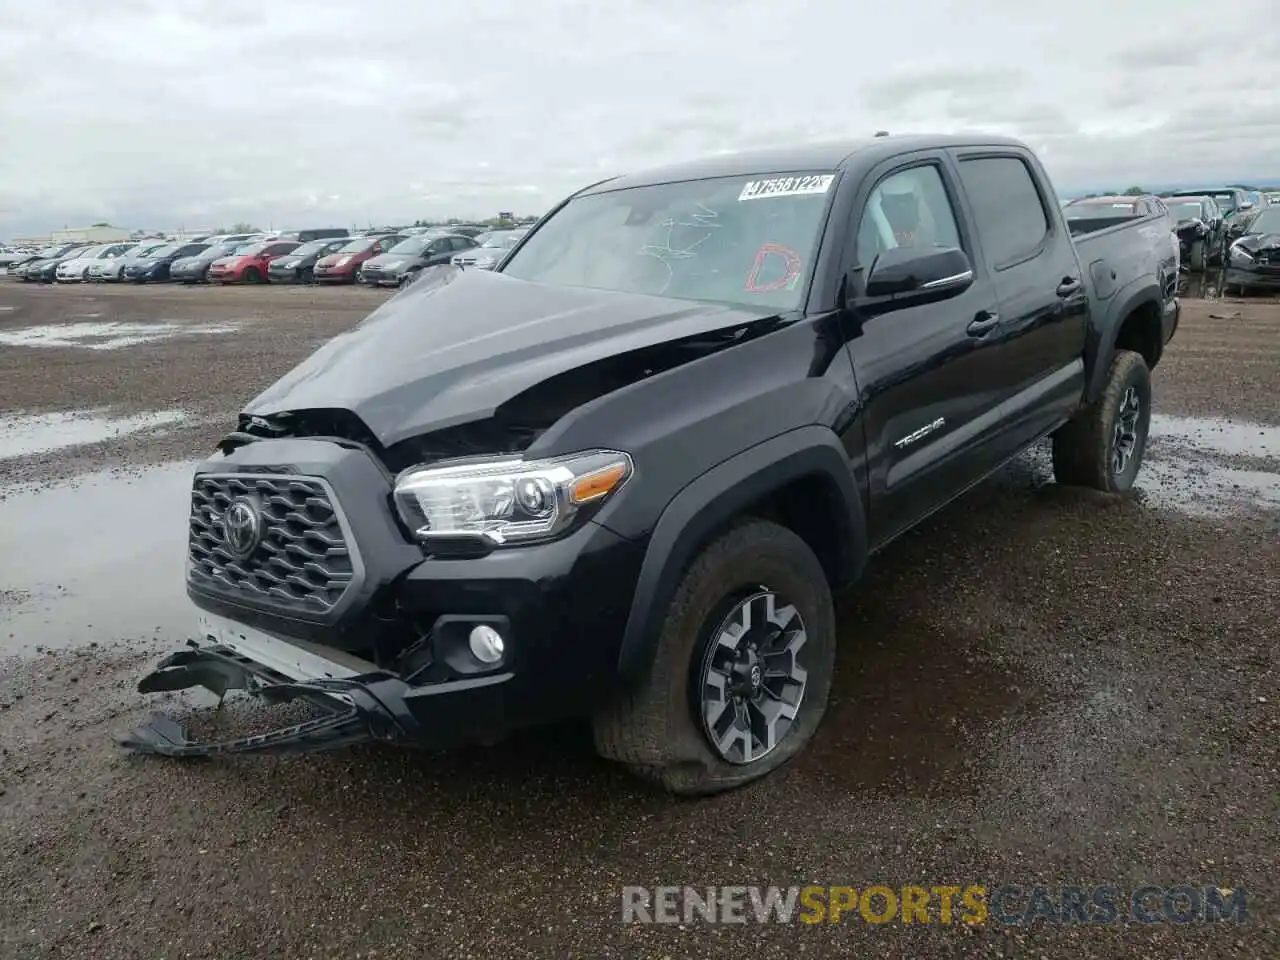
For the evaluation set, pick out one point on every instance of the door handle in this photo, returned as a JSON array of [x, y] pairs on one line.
[[1068, 286], [983, 323]]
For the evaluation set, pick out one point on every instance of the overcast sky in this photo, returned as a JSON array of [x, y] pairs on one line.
[[296, 113]]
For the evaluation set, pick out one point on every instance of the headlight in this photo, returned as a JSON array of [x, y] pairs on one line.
[[393, 265], [486, 261], [508, 501], [343, 262], [1241, 252]]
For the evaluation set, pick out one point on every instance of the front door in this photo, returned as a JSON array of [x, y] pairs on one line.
[[929, 375]]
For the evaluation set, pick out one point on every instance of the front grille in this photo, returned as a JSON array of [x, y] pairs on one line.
[[302, 562]]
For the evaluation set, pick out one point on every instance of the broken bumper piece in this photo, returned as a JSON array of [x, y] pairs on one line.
[[355, 709]]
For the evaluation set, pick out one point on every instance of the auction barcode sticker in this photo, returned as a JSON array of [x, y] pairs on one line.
[[786, 186]]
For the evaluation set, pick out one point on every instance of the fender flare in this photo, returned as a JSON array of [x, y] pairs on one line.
[[1141, 291], [713, 499]]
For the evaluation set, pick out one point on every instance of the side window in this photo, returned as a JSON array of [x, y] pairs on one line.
[[1010, 214], [462, 243], [909, 208]]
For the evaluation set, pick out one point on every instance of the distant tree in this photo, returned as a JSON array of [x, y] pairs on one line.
[[1133, 192], [243, 228]]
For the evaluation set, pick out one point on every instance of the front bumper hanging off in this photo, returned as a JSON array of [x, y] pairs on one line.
[[354, 709]]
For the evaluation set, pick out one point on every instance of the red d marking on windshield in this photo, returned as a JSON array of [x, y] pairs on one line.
[[762, 255]]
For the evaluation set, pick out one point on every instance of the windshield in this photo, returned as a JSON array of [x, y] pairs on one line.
[[146, 250], [1227, 201], [315, 246], [1082, 209], [165, 250], [746, 240], [88, 253], [501, 241], [251, 249], [1267, 221], [412, 245], [1187, 210], [358, 245], [50, 251]]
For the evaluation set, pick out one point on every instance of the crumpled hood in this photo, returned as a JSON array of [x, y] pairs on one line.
[[1255, 242], [454, 346]]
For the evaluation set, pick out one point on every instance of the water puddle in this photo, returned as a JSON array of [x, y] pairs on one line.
[[99, 558], [107, 335], [1231, 438], [1188, 465], [23, 435]]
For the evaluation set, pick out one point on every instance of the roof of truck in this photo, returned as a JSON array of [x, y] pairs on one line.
[[818, 156]]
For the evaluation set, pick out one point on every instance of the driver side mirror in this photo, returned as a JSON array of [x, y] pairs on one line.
[[919, 273]]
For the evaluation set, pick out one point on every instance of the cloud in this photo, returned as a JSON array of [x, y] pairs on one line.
[[295, 113]]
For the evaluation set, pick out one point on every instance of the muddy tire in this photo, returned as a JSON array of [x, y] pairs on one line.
[[747, 648], [1103, 445], [1199, 256]]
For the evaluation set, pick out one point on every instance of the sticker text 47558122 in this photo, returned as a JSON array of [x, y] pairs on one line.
[[786, 186]]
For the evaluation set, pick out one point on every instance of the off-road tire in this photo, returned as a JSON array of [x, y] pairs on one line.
[[1083, 447], [653, 728], [1199, 256]]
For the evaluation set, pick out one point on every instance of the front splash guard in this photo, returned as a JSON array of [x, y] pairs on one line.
[[354, 712]]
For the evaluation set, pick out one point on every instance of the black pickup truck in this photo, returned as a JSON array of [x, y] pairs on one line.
[[621, 476]]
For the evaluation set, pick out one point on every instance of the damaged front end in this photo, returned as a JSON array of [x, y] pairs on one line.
[[351, 711], [312, 580]]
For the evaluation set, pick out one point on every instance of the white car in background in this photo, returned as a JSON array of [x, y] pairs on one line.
[[492, 249], [76, 270], [112, 268]]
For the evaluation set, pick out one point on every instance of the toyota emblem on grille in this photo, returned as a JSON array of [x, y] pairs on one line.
[[242, 527]]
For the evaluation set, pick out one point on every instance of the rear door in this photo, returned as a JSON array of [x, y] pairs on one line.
[[1039, 284], [930, 374]]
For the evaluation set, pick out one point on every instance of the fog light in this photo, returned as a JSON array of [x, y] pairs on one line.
[[486, 644]]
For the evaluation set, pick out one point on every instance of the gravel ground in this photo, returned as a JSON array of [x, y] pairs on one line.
[[1041, 686]]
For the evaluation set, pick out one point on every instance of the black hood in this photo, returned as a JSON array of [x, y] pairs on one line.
[[455, 345], [1253, 242]]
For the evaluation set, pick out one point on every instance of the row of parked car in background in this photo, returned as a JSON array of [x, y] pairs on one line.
[[1230, 227], [329, 255]]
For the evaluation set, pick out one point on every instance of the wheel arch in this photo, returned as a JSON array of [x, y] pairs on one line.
[[800, 479], [1134, 322]]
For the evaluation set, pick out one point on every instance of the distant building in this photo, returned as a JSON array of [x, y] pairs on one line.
[[90, 235]]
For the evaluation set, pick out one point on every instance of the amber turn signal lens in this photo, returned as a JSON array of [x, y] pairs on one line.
[[598, 483]]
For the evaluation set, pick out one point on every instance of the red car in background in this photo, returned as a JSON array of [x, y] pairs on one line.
[[249, 263], [342, 266]]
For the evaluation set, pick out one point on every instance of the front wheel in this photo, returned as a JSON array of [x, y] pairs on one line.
[[742, 670], [1199, 255], [251, 275], [1103, 445]]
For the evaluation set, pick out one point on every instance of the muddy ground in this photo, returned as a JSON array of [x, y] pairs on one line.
[[1042, 686]]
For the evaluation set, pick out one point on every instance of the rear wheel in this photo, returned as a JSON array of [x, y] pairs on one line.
[[1103, 445], [742, 670]]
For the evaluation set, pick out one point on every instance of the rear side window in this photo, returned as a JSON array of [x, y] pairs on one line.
[[1007, 207]]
